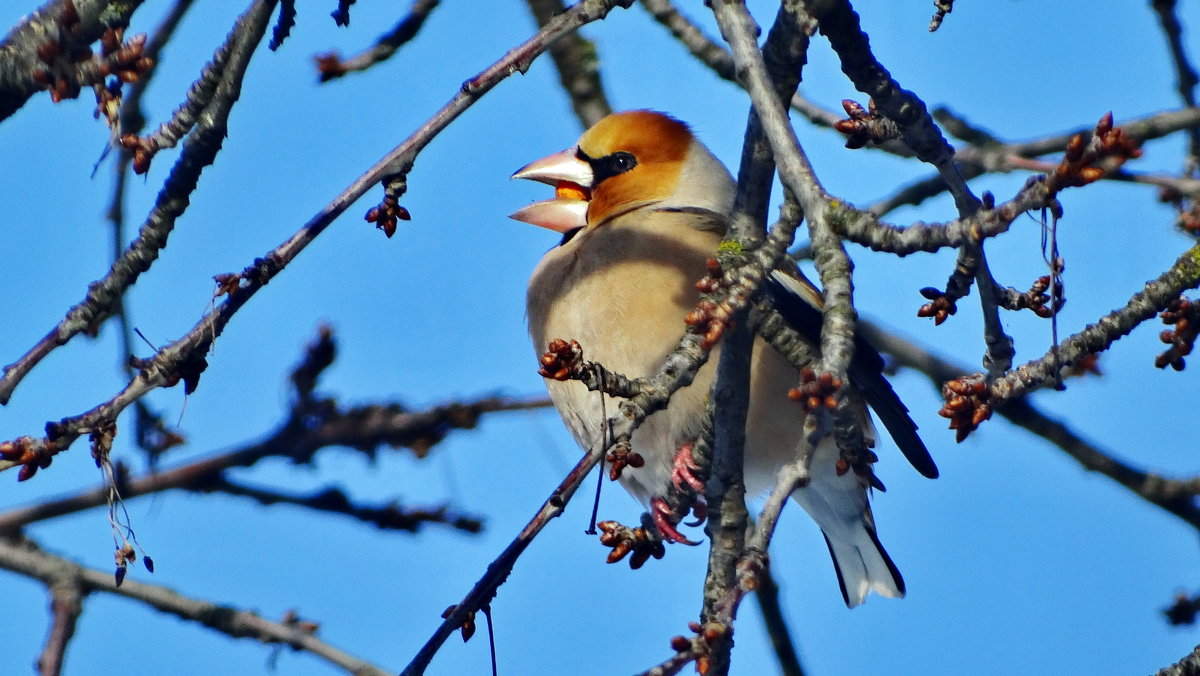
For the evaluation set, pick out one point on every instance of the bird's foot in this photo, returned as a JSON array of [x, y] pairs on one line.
[[664, 519], [684, 468]]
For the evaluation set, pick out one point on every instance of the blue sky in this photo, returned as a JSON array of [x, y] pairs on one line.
[[1016, 559]]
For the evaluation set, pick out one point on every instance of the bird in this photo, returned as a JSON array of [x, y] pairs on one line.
[[641, 205]]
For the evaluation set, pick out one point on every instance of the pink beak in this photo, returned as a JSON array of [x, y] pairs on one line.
[[561, 213]]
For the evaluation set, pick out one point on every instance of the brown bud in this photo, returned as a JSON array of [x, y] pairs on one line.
[[1074, 147], [680, 644], [853, 108], [618, 552], [846, 126]]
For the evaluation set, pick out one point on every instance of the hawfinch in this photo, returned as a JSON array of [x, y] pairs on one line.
[[642, 204]]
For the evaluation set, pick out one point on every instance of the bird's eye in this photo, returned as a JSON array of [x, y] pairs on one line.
[[611, 165], [623, 162]]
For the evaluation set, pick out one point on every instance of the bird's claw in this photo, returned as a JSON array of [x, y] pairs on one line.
[[683, 469], [664, 520]]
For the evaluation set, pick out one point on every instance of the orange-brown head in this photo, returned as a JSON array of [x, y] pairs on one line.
[[627, 161]]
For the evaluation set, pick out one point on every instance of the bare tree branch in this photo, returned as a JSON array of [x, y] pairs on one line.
[[298, 439], [81, 22], [988, 154], [215, 92], [1188, 666], [390, 516], [184, 358], [331, 66], [1185, 73], [21, 555], [1176, 496], [775, 620], [578, 66], [66, 605], [1183, 275], [785, 52]]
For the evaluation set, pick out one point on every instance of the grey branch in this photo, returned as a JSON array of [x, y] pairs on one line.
[[1188, 666], [1176, 496], [19, 49], [23, 556], [187, 353], [330, 66], [362, 427], [221, 83], [577, 64]]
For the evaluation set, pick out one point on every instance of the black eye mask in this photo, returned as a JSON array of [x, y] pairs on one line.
[[606, 167]]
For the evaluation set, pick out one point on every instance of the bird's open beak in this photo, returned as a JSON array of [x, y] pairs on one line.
[[572, 181]]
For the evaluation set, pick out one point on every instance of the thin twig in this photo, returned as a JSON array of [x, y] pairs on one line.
[[1183, 275], [331, 66], [775, 620], [977, 160], [1185, 73]]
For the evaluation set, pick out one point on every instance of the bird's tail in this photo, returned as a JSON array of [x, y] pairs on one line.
[[862, 564]]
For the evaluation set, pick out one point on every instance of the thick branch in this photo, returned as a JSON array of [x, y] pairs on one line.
[[725, 493], [19, 49], [66, 605]]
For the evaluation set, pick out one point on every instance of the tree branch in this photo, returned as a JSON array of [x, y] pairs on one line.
[[577, 64], [184, 358], [22, 556], [331, 66], [215, 93], [84, 22], [298, 439], [1176, 496], [66, 605]]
